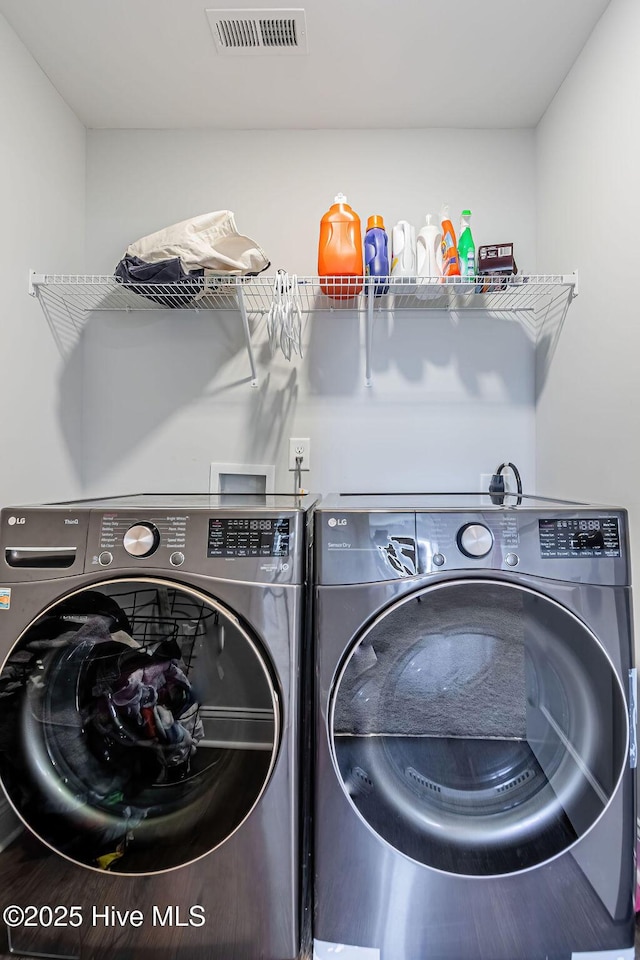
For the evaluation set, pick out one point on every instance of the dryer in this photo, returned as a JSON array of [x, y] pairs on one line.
[[474, 729], [150, 726]]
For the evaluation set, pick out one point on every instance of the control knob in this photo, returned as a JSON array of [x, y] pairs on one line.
[[475, 540], [141, 540]]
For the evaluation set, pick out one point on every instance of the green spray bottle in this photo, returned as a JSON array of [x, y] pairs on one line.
[[466, 246]]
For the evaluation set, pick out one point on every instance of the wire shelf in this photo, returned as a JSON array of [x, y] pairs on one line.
[[69, 300], [86, 294]]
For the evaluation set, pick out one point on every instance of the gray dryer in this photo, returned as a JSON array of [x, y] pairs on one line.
[[475, 730]]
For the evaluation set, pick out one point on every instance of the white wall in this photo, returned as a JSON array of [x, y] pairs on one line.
[[588, 145], [42, 190], [166, 393]]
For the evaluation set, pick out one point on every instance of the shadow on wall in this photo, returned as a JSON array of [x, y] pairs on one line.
[[548, 342], [333, 354], [270, 419], [474, 346], [71, 408], [142, 369]]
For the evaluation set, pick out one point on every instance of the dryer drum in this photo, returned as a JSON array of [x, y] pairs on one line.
[[472, 725]]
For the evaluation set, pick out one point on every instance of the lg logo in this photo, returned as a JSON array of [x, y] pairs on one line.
[[13, 520], [337, 523]]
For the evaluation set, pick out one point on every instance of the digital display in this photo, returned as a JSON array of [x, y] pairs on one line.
[[248, 537], [579, 538]]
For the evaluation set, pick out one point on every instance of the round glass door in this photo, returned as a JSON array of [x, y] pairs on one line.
[[478, 727], [139, 725]]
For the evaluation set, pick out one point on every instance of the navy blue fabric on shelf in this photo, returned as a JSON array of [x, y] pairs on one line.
[[143, 278]]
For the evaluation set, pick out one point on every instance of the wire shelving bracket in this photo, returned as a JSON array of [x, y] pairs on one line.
[[69, 300]]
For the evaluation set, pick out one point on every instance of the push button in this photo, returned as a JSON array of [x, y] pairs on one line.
[[512, 559], [105, 558], [438, 559], [176, 559]]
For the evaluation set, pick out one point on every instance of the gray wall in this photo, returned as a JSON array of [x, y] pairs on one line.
[[42, 194], [167, 393], [588, 215]]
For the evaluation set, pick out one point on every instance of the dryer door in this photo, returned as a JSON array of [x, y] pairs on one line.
[[139, 725], [478, 727]]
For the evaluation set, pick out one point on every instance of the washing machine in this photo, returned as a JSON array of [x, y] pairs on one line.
[[474, 729], [150, 727]]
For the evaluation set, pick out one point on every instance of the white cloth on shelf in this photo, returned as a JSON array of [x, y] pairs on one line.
[[210, 241]]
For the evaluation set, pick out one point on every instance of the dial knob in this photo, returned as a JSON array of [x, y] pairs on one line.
[[475, 540], [141, 540]]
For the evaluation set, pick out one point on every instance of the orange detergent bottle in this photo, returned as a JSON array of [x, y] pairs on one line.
[[450, 258], [340, 260]]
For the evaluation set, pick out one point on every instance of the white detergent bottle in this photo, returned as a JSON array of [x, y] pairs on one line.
[[429, 261], [403, 250]]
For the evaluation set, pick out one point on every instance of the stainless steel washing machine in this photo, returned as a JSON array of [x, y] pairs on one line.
[[150, 727], [475, 730]]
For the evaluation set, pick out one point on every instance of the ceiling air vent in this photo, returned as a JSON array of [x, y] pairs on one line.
[[259, 31]]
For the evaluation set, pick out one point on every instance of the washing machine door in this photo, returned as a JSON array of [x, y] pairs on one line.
[[139, 725], [478, 727]]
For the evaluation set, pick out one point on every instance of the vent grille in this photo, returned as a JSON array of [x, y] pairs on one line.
[[237, 33], [278, 33], [258, 31]]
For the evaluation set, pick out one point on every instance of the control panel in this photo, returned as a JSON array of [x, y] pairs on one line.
[[142, 537], [173, 540], [248, 537], [365, 547], [235, 542], [257, 546], [579, 537]]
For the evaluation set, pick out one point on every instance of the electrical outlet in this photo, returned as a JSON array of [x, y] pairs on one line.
[[300, 447]]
